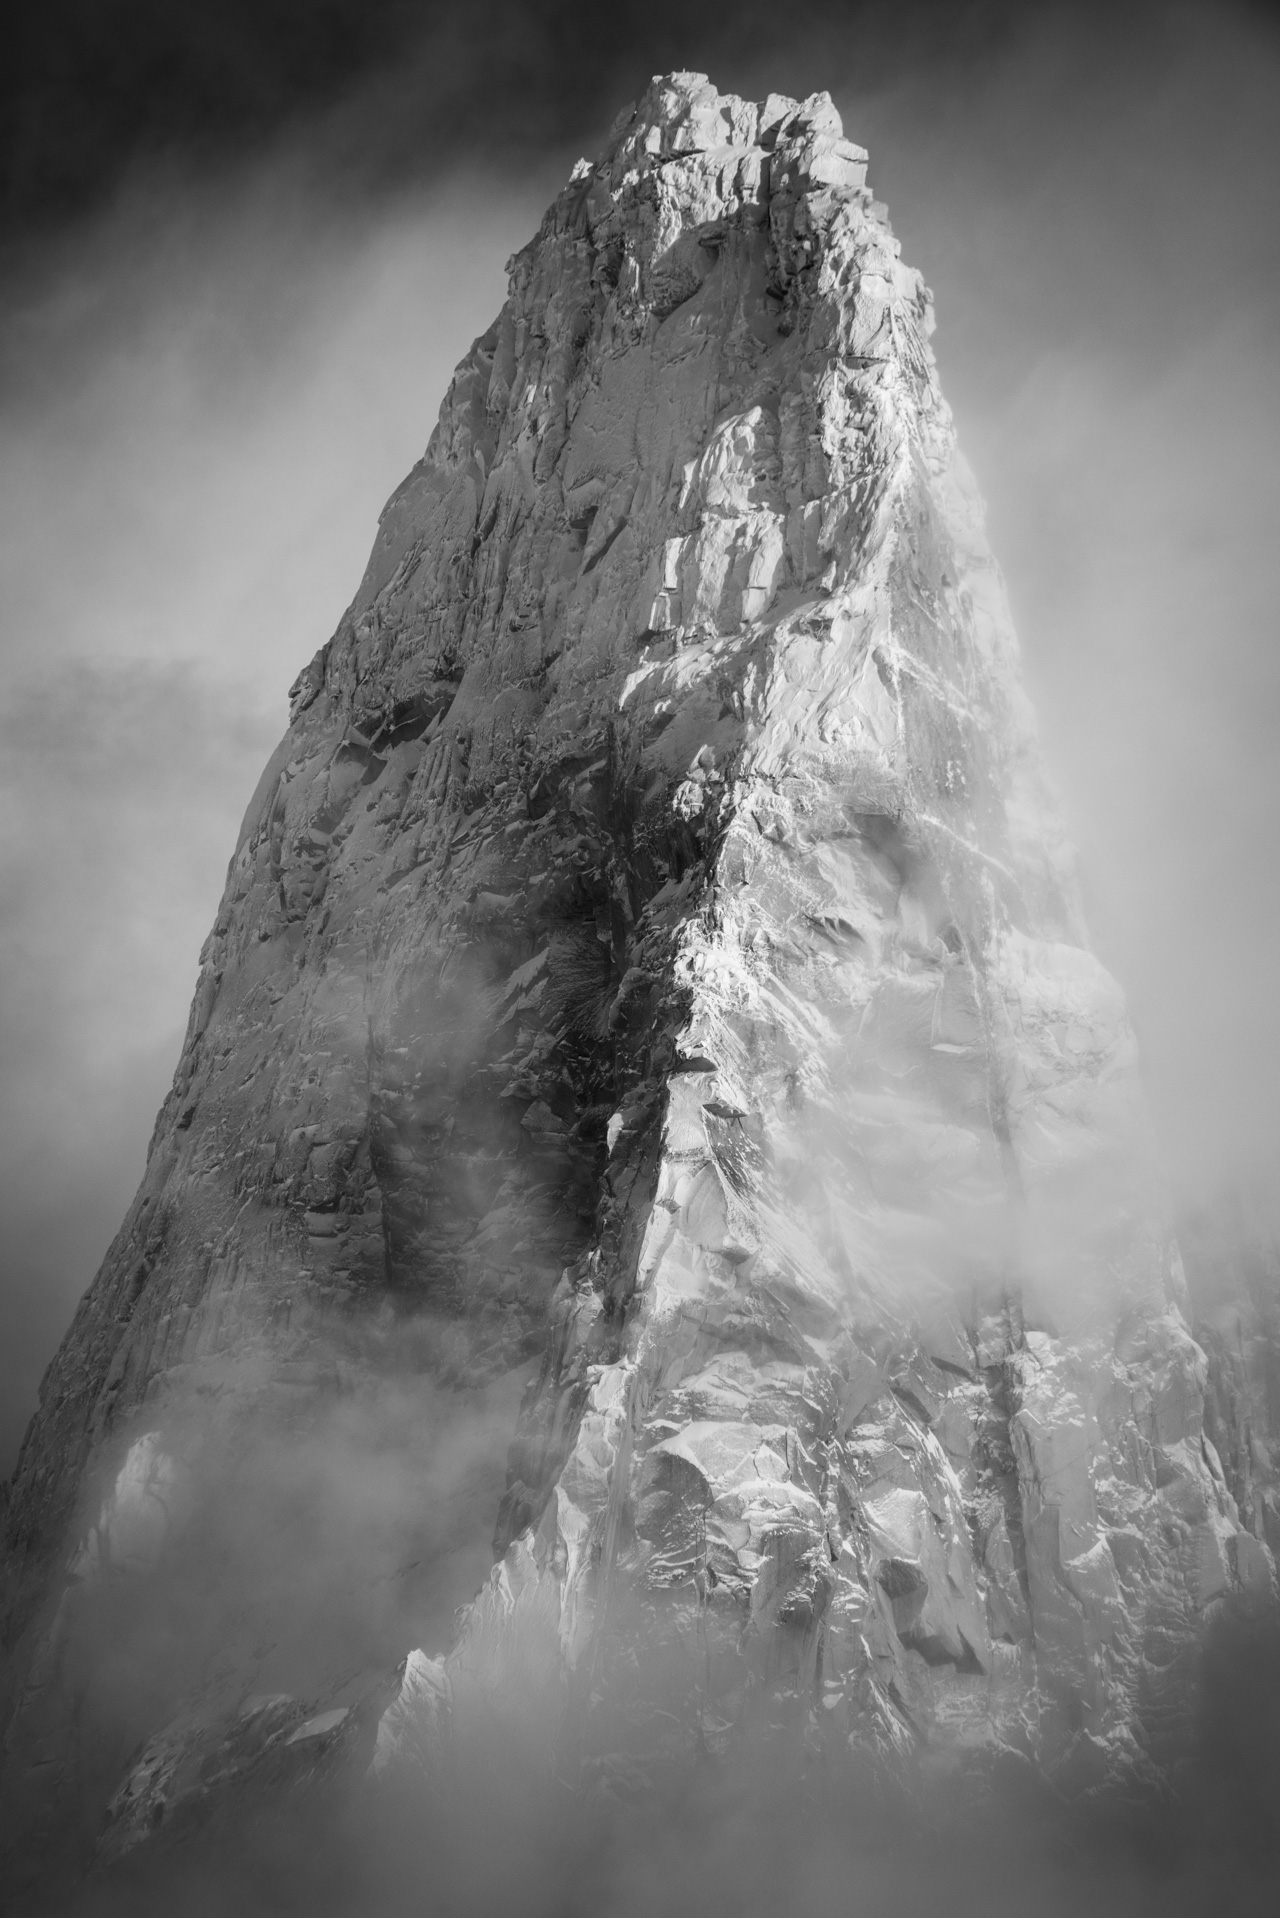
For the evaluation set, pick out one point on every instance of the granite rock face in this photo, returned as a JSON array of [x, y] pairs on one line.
[[651, 979]]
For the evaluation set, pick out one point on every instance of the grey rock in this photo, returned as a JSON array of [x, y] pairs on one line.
[[651, 970]]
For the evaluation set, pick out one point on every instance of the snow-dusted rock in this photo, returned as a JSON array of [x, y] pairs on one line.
[[653, 949]]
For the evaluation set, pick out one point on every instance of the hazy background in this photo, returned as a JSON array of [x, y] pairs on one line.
[[245, 242]]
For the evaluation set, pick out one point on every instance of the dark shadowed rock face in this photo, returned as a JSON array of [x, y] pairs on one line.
[[649, 980]]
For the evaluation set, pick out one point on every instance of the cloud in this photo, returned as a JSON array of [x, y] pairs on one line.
[[1092, 207], [206, 401], [389, 91], [770, 1829]]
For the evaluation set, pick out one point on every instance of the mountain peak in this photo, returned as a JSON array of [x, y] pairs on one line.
[[650, 988]]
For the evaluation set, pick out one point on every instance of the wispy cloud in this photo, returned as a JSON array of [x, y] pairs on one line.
[[207, 398], [1093, 206]]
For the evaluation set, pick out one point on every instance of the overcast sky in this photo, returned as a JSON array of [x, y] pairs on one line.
[[228, 326]]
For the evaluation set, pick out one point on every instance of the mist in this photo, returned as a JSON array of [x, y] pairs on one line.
[[208, 397], [775, 1827], [1106, 265]]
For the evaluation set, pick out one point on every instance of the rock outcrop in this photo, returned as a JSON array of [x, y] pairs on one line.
[[650, 977]]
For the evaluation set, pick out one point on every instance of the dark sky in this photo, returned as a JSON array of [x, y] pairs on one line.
[[402, 87], [243, 245]]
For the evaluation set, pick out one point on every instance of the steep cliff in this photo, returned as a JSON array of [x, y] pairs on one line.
[[649, 979]]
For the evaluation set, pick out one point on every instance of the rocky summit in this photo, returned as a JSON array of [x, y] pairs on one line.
[[648, 1090]]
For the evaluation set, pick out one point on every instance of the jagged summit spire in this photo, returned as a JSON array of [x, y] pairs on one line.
[[650, 978], [687, 115]]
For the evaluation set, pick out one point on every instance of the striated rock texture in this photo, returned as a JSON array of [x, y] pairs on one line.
[[650, 977]]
